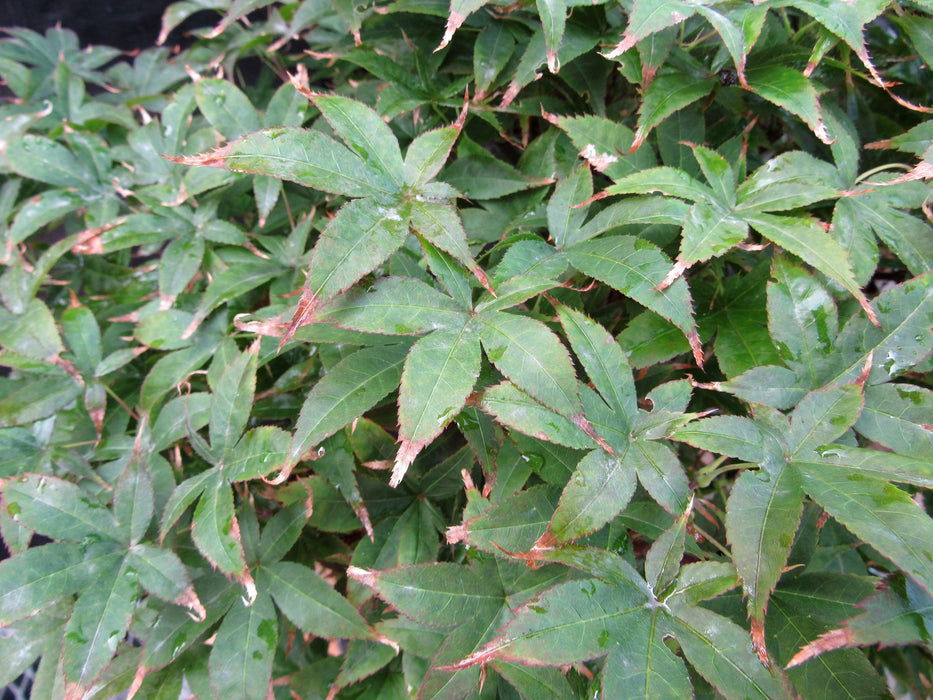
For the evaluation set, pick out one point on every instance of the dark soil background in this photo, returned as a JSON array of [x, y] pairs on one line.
[[125, 24]]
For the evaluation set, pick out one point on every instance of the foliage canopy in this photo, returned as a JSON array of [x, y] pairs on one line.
[[531, 350]]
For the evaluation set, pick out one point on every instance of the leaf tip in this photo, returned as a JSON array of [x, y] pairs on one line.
[[829, 641], [365, 576], [406, 455]]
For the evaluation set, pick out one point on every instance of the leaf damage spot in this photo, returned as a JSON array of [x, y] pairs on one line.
[[600, 161]]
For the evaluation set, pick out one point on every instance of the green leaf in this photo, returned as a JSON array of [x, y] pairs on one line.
[[636, 269], [889, 618], [480, 175], [802, 320], [394, 305], [82, 333], [365, 133], [904, 338], [563, 219], [512, 407], [666, 94], [350, 388], [721, 651], [787, 88], [439, 375], [872, 464], [232, 400], [259, 452], [38, 158], [226, 107], [31, 333], [427, 154], [709, 231], [58, 509], [532, 357], [660, 472], [553, 14], [513, 524], [662, 563], [355, 242], [301, 155], [35, 579], [491, 52], [647, 18], [789, 181], [215, 530], [894, 415], [668, 181], [184, 495], [244, 649], [599, 489], [161, 572], [605, 364], [878, 513], [734, 436], [821, 417], [649, 670], [807, 240], [909, 237], [282, 531], [762, 515], [98, 624], [514, 291], [574, 621], [441, 225], [134, 499], [31, 401], [310, 602], [600, 141], [438, 595]]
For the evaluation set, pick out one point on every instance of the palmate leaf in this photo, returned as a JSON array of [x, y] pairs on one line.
[[588, 618], [471, 602]]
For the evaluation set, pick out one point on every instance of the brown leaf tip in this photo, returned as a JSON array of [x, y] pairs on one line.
[[364, 576]]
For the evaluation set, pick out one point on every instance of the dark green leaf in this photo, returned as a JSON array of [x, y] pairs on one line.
[[244, 649], [311, 603]]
